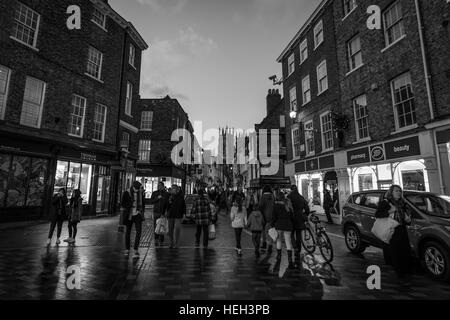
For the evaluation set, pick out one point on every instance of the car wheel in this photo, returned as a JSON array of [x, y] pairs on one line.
[[436, 259], [353, 240]]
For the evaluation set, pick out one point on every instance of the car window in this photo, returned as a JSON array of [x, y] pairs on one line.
[[371, 200], [431, 204], [350, 199], [357, 199]]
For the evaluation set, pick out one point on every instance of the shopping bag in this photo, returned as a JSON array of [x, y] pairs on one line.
[[162, 226], [383, 228], [212, 232], [273, 234]]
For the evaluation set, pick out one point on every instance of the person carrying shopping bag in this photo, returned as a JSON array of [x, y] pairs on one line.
[[283, 222], [76, 210], [160, 202], [238, 216]]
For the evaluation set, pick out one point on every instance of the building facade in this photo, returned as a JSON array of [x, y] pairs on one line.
[[61, 104]]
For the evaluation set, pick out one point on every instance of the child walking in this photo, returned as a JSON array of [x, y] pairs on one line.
[[238, 218], [256, 226]]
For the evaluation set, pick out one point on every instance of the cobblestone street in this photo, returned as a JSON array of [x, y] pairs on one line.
[[29, 270]]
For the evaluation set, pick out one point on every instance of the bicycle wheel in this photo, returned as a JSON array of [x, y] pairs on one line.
[[308, 241], [325, 246]]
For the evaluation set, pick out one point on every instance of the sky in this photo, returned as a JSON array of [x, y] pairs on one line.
[[214, 56]]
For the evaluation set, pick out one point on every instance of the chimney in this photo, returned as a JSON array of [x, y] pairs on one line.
[[273, 99]]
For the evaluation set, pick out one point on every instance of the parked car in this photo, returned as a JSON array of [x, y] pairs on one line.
[[189, 217], [429, 232]]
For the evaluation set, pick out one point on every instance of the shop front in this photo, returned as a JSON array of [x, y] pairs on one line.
[[149, 177]]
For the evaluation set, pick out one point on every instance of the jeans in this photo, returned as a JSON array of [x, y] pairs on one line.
[[256, 238], [238, 234], [287, 239], [205, 229], [137, 220], [174, 231], [297, 237], [73, 229], [58, 219]]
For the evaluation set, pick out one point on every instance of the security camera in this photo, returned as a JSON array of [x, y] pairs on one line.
[[273, 78]]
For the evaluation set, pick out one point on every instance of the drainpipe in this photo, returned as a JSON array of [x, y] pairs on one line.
[[429, 94]]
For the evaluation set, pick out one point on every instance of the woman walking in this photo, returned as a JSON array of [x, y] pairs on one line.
[[58, 215], [398, 251], [282, 221], [76, 209], [238, 218]]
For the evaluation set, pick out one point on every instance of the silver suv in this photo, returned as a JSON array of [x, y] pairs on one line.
[[429, 232]]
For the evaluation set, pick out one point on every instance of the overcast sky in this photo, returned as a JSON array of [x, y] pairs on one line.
[[214, 56]]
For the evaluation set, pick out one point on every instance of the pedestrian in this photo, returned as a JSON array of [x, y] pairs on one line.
[[238, 216], [256, 225], [283, 222], [177, 208], [300, 216], [266, 206], [336, 201], [76, 210], [202, 214], [160, 202], [398, 251], [327, 204], [58, 214], [133, 202]]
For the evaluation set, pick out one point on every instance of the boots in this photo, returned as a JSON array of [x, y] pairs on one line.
[[278, 255], [298, 261], [269, 250], [264, 246], [291, 263]]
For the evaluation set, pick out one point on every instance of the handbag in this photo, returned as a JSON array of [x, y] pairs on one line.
[[384, 228], [273, 234], [162, 226], [212, 232]]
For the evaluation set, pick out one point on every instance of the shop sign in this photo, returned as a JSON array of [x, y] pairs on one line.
[[88, 157], [377, 153], [402, 148], [358, 156], [326, 162], [312, 164], [300, 167]]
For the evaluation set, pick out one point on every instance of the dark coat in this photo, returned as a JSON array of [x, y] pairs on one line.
[[127, 203], [160, 206], [385, 206], [327, 200], [177, 207], [282, 219], [59, 206], [301, 209], [266, 206]]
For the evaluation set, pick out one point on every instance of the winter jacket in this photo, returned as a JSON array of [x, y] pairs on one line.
[[59, 206], [177, 207], [266, 206], [76, 210], [202, 211], [127, 203], [282, 220], [255, 221], [238, 219], [301, 209], [160, 205]]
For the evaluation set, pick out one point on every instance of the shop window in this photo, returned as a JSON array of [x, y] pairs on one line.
[[17, 185], [365, 182], [413, 180], [36, 186], [71, 176]]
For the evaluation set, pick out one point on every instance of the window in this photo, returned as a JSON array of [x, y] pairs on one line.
[[358, 198], [393, 23], [365, 181], [129, 99], [296, 142], [94, 65], [99, 18], [99, 122], [361, 117], [318, 34], [403, 97], [26, 25], [71, 176], [349, 5], [327, 131], [303, 50], [125, 142], [282, 121], [293, 98], [309, 138], [291, 64], [4, 85], [77, 118], [144, 150], [436, 205], [354, 53], [33, 101], [372, 200], [322, 77], [146, 120], [306, 90], [132, 55]]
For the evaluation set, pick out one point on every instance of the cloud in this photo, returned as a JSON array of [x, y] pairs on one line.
[[165, 6], [166, 57]]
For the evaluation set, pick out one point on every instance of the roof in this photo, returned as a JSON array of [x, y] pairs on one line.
[[299, 34], [167, 102]]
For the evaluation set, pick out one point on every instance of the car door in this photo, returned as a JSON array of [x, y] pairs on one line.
[[369, 207]]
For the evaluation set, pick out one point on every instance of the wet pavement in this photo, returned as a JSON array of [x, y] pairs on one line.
[[30, 270]]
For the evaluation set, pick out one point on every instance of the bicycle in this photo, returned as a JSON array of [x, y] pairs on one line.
[[317, 237]]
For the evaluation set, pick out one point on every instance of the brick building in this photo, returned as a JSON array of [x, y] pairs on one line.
[[63, 94], [159, 118]]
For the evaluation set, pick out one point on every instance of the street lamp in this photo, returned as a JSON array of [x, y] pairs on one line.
[[293, 115]]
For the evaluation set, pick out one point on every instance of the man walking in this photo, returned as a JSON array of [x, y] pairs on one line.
[[203, 218], [266, 206], [177, 208], [160, 201], [133, 202], [327, 204], [301, 209]]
